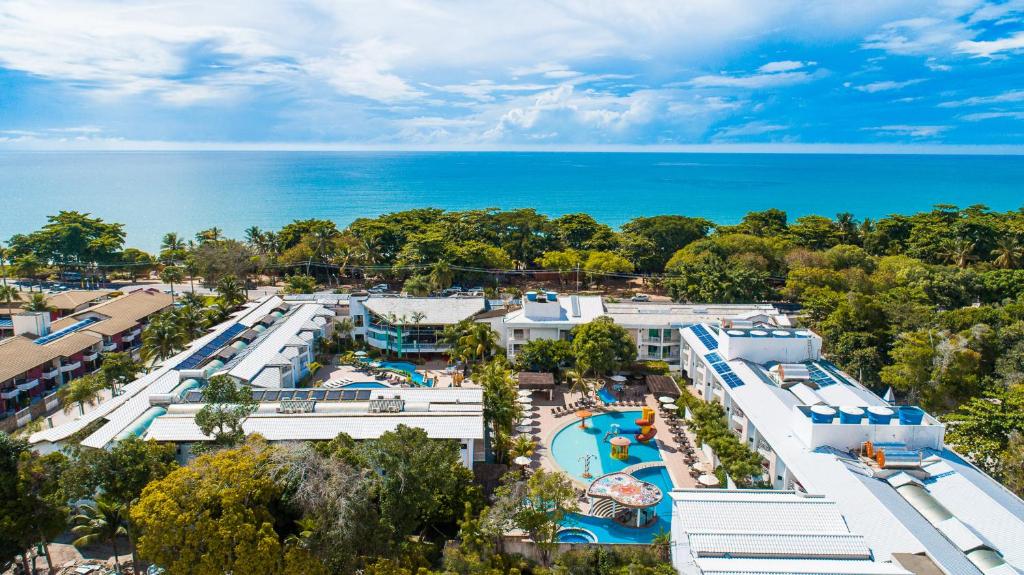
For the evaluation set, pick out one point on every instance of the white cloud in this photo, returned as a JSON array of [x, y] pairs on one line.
[[885, 85], [485, 90], [935, 66], [918, 36], [909, 130], [990, 48], [784, 66], [979, 116], [1009, 96], [756, 128], [755, 81]]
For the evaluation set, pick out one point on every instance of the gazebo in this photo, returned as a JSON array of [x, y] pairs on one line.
[[639, 498], [662, 385], [537, 380]]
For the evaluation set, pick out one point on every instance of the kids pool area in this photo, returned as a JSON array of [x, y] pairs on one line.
[[571, 446]]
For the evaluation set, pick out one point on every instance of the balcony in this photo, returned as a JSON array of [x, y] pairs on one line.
[[91, 356], [112, 346], [128, 337], [51, 373], [70, 367], [136, 331], [26, 384]]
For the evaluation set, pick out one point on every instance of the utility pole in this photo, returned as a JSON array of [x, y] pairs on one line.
[[577, 278]]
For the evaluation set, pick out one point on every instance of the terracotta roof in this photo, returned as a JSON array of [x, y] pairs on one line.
[[121, 313], [20, 354], [536, 380], [69, 300]]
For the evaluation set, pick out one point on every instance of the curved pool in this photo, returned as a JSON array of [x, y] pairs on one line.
[[576, 535], [572, 443], [405, 366]]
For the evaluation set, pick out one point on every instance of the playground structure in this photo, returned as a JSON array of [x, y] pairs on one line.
[[620, 447], [646, 424]]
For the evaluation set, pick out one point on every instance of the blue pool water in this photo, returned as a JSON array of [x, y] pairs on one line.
[[607, 396], [574, 535], [571, 443], [407, 367]]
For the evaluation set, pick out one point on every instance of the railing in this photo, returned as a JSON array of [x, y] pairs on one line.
[[51, 374], [129, 337], [24, 416], [110, 346], [91, 356], [70, 367]]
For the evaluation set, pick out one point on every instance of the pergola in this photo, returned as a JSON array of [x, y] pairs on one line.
[[537, 380], [659, 385], [624, 490]]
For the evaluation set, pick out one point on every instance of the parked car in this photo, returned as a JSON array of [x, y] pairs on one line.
[[640, 297], [379, 288]]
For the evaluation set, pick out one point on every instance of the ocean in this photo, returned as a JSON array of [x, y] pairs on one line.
[[157, 192]]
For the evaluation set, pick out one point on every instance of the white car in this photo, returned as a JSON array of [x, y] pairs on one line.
[[640, 297]]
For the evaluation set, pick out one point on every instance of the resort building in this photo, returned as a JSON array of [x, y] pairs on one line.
[[410, 325], [719, 531], [887, 468], [269, 346], [44, 355], [547, 315], [60, 304]]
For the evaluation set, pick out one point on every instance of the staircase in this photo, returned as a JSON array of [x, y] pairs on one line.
[[602, 508]]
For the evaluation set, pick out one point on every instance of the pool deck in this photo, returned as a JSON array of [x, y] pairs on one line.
[[548, 425]]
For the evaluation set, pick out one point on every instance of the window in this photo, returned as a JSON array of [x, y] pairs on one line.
[[357, 321], [653, 351], [520, 334], [667, 333], [653, 333]]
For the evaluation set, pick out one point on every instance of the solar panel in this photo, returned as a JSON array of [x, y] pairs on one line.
[[271, 395], [713, 357], [818, 376], [258, 394], [704, 336], [732, 380], [62, 332], [333, 395], [317, 394], [286, 395], [834, 372], [211, 347], [348, 395], [300, 394], [722, 368], [363, 395]]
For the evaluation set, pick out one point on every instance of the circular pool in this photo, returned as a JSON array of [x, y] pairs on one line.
[[576, 535], [572, 445]]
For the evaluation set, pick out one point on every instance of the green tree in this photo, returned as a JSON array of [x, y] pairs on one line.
[[192, 319], [600, 264], [544, 355], [119, 369], [441, 275], [31, 508], [417, 285], [500, 405], [230, 291], [564, 261], [161, 339], [172, 275], [1008, 252], [478, 342], [665, 235], [226, 406], [539, 504], [38, 302], [85, 390], [299, 284], [218, 515], [982, 427], [101, 522], [602, 346]]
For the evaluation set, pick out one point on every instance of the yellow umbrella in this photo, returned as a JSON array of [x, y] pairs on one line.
[[583, 414]]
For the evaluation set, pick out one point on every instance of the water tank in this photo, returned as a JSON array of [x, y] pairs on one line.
[[552, 296], [910, 415], [851, 414], [531, 296], [822, 414], [879, 415]]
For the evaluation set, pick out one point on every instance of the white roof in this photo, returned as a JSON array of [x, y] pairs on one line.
[[260, 310], [265, 348], [757, 512], [796, 567], [437, 310], [780, 545], [313, 426], [664, 314], [590, 307]]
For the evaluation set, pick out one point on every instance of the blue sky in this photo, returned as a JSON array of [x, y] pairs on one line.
[[97, 74]]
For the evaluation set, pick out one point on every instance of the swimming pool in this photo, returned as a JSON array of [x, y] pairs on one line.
[[572, 443], [406, 367]]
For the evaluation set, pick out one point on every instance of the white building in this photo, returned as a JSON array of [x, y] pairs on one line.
[[404, 325], [548, 316], [918, 503]]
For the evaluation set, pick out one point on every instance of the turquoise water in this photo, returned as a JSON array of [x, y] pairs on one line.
[[157, 192], [571, 443], [406, 367], [607, 396], [364, 385]]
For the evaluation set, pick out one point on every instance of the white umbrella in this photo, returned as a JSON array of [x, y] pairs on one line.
[[708, 480], [526, 422], [704, 467], [525, 400], [525, 393], [360, 354], [618, 378], [524, 429], [521, 460], [667, 399], [669, 406]]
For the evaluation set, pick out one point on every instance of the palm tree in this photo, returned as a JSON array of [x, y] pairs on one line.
[[479, 341], [27, 266], [217, 312], [230, 291], [192, 321], [162, 338], [307, 527], [8, 294], [209, 235], [101, 522], [191, 268], [417, 317], [959, 252], [661, 544], [441, 275], [500, 406], [343, 327], [580, 384], [254, 237], [1008, 252], [399, 323], [522, 446], [172, 275], [4, 256], [37, 303], [82, 391], [172, 243]]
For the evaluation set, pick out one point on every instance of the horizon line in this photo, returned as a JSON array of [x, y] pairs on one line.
[[119, 145]]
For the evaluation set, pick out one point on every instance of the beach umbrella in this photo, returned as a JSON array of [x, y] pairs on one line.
[[704, 467], [708, 480], [669, 406], [525, 429], [666, 399], [360, 354], [583, 414], [522, 460], [525, 393], [618, 378], [525, 401], [526, 422]]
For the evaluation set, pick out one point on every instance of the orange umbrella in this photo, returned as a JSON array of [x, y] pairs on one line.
[[583, 414]]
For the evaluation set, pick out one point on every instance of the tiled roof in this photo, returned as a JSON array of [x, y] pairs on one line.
[[20, 354], [436, 310], [69, 300]]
